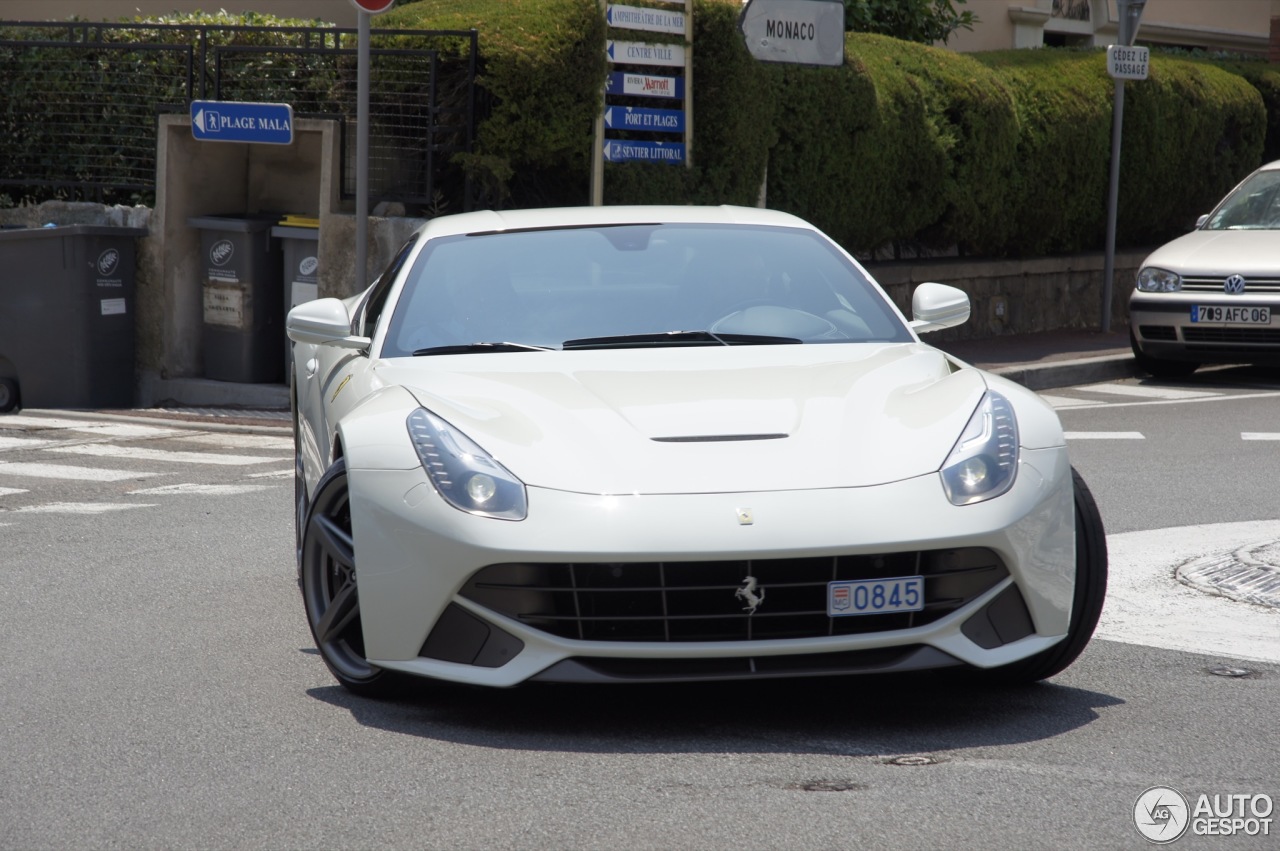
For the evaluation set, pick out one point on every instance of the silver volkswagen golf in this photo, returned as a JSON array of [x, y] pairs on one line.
[[1210, 296]]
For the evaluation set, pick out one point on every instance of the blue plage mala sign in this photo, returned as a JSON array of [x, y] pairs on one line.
[[232, 121]]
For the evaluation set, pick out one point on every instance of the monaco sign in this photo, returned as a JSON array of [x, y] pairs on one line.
[[803, 32]]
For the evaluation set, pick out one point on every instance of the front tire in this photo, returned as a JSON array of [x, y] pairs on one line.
[[329, 592], [1086, 605]]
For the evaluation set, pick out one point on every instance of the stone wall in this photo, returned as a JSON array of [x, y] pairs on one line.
[[1020, 296]]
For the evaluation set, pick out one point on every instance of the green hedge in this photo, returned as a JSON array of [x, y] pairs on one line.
[[1003, 153]]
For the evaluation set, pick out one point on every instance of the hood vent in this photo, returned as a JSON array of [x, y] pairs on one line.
[[718, 438]]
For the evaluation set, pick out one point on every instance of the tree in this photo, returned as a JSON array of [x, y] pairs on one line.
[[924, 21]]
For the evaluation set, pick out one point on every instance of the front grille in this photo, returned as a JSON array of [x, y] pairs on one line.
[[695, 601], [1215, 285], [1263, 336], [1158, 332]]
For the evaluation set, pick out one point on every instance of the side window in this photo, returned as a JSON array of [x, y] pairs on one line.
[[377, 300]]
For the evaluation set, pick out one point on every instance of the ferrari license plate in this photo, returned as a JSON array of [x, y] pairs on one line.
[[1232, 315], [875, 596]]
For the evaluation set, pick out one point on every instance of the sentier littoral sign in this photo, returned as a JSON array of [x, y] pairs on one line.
[[234, 121]]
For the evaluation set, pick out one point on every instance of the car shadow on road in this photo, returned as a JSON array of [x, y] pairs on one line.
[[882, 715]]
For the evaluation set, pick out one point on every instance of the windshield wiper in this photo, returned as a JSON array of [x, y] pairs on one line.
[[469, 348], [676, 338]]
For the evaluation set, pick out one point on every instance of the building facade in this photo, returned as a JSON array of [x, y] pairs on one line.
[[1238, 26]]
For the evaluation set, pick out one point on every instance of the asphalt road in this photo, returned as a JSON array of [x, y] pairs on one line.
[[161, 691]]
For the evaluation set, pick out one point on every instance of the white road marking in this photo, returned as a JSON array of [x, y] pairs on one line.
[[80, 507], [1103, 435], [1145, 392], [102, 428], [64, 471], [200, 490], [1147, 605], [1259, 435], [139, 453], [229, 440], [11, 491], [22, 443], [1066, 402], [21, 421], [274, 474]]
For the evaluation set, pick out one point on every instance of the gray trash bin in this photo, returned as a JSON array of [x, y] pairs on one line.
[[67, 315], [243, 306], [301, 271]]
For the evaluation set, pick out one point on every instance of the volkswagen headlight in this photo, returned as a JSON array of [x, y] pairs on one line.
[[984, 462], [464, 474], [1153, 280]]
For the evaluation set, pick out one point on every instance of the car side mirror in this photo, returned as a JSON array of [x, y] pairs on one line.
[[323, 321], [1200, 221], [937, 306]]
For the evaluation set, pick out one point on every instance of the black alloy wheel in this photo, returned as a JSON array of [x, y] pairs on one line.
[[329, 593], [1086, 605]]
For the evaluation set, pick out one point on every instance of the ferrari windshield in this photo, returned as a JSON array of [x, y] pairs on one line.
[[629, 286], [1254, 205]]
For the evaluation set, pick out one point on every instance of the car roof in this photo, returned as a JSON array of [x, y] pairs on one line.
[[488, 221]]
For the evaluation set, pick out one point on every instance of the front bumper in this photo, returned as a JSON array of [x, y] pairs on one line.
[[416, 554], [1163, 329]]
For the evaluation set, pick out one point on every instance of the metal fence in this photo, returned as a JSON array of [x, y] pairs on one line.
[[79, 101]]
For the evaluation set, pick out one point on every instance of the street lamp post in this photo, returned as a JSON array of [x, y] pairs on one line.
[[1130, 17]]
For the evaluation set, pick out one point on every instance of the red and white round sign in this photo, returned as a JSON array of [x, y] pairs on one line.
[[373, 7]]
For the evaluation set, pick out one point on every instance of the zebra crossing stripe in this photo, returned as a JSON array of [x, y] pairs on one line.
[[200, 490], [1104, 435], [1259, 435], [139, 453], [65, 471], [1142, 391], [229, 440], [80, 507], [22, 443], [11, 491]]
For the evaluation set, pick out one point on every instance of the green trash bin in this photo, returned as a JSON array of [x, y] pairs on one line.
[[67, 316]]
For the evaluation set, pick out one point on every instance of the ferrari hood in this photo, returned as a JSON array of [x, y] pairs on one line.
[[1212, 253], [703, 420]]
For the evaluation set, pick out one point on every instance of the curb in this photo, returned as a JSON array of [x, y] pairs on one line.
[[1066, 373]]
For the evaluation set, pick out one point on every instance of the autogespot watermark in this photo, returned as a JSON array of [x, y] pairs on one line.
[[1163, 814]]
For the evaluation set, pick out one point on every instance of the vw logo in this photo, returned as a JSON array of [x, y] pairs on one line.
[[1234, 285]]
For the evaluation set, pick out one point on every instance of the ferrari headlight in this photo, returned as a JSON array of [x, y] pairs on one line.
[[1153, 280], [984, 462], [464, 474]]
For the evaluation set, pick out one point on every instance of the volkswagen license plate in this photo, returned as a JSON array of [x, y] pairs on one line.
[[1232, 315], [875, 596]]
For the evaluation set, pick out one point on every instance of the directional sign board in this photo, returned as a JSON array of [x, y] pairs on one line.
[[636, 53], [644, 85], [648, 120], [651, 20], [233, 121], [620, 151], [804, 32], [1128, 63]]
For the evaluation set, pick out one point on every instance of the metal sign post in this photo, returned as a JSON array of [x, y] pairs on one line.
[[632, 84], [1130, 17], [366, 8]]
